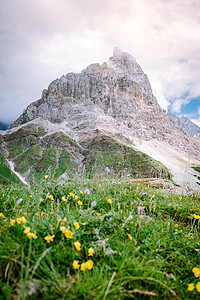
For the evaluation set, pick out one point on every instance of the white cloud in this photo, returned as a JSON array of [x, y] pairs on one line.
[[41, 40]]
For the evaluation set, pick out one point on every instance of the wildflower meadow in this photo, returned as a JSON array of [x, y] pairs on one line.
[[98, 239]]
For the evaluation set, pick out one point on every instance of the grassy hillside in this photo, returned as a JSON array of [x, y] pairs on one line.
[[6, 175], [98, 239]]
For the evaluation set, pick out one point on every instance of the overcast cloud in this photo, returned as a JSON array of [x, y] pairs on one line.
[[44, 39]]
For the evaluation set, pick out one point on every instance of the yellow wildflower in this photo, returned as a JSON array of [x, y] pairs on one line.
[[196, 272], [78, 246], [32, 235], [110, 201], [69, 234], [65, 219], [80, 202], [63, 229], [89, 264], [196, 216], [130, 237], [2, 215], [72, 195], [76, 224], [23, 219], [49, 238], [76, 197], [59, 219], [81, 192], [46, 176], [42, 213], [191, 287], [98, 214], [76, 264], [12, 222], [27, 230], [50, 197], [83, 266], [18, 220], [198, 286], [64, 199], [90, 252]]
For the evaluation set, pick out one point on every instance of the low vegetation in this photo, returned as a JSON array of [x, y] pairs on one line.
[[98, 239]]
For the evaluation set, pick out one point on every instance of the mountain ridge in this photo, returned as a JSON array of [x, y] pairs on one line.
[[113, 101]]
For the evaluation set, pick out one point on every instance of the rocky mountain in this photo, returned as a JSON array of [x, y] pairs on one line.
[[186, 125], [104, 120]]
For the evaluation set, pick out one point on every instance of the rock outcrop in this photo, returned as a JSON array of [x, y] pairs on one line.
[[113, 102]]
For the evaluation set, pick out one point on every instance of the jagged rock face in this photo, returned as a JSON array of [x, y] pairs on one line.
[[115, 95], [186, 125], [117, 88]]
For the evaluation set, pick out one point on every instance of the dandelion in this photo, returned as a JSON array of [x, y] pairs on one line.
[[80, 202], [89, 264], [64, 199], [87, 191], [191, 287], [130, 237], [12, 222], [77, 246], [81, 192], [76, 224], [49, 238], [27, 230], [76, 264], [90, 252], [198, 287], [196, 272], [110, 201]]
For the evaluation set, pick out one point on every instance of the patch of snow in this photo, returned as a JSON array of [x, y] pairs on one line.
[[11, 165]]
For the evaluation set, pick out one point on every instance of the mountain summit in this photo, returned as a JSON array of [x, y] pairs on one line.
[[97, 108]]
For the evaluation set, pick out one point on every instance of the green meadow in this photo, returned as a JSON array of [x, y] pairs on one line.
[[98, 239]]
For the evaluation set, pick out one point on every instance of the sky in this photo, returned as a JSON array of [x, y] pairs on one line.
[[43, 39]]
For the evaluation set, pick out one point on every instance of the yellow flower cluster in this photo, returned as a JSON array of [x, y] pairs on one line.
[[68, 233], [77, 246], [191, 286], [110, 201], [76, 225], [90, 252], [84, 266], [49, 238], [50, 197], [21, 220], [2, 215], [30, 234], [197, 217]]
